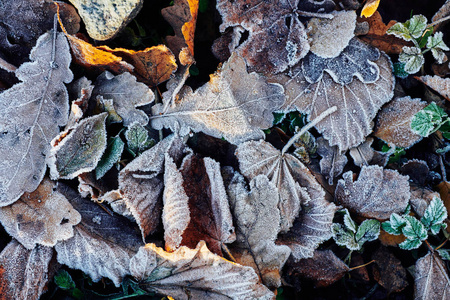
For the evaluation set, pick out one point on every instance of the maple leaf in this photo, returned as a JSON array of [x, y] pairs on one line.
[[30, 115]]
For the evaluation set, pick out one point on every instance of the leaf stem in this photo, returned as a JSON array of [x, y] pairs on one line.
[[441, 245], [439, 21], [7, 66], [361, 266], [305, 128], [314, 15], [429, 246]]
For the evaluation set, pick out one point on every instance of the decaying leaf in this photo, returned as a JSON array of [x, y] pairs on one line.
[[195, 274], [388, 271], [417, 170], [294, 181], [365, 155], [255, 241], [276, 40], [394, 122], [431, 280], [440, 85], [357, 101], [79, 149], [30, 113], [127, 94], [196, 204], [324, 268], [104, 19], [333, 161], [42, 217], [377, 193], [23, 272], [233, 104], [370, 8], [102, 245], [443, 12], [328, 37], [80, 91]]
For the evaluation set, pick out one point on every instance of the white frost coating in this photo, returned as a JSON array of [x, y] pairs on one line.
[[328, 37]]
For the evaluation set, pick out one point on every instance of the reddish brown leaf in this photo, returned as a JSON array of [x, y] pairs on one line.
[[388, 271]]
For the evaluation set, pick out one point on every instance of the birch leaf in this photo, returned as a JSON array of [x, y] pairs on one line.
[[23, 272], [30, 115], [255, 241], [102, 245], [357, 102], [431, 280], [195, 274], [42, 217], [377, 193], [80, 149], [233, 104], [294, 181]]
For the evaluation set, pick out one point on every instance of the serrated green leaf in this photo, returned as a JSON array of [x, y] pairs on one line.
[[344, 237], [436, 42], [436, 112], [414, 230], [400, 31], [444, 253], [63, 280], [422, 124], [111, 156], [438, 55], [386, 226], [368, 230], [349, 223], [410, 244], [137, 138], [416, 25], [413, 59], [434, 215]]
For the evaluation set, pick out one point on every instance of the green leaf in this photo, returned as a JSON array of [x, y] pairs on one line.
[[349, 223], [410, 244], [111, 156], [63, 280], [386, 226], [424, 38], [436, 112], [278, 117], [444, 253], [428, 120], [434, 216], [414, 231], [436, 42], [416, 25], [344, 237], [413, 59], [394, 225], [368, 230], [137, 139], [400, 31], [399, 70]]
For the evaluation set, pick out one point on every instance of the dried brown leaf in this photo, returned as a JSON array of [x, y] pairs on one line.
[[443, 12], [440, 85], [431, 280], [30, 115], [394, 122], [377, 193], [233, 104], [23, 272], [253, 210], [388, 271], [81, 91], [102, 245], [333, 161], [195, 274]]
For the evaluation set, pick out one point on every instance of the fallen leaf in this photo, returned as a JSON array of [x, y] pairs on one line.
[[275, 41], [24, 274], [104, 19], [234, 105], [151, 66], [365, 155], [324, 268], [421, 198], [417, 170], [195, 274], [388, 271], [370, 8], [110, 157], [377, 193], [253, 210], [440, 85], [42, 217], [443, 12], [333, 161], [394, 122], [79, 150], [81, 91], [102, 245], [431, 279], [127, 94], [294, 181], [31, 113], [387, 239], [357, 101]]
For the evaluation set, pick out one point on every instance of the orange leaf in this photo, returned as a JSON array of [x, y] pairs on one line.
[[370, 8]]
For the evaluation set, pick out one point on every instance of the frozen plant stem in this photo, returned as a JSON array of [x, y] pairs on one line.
[[305, 128]]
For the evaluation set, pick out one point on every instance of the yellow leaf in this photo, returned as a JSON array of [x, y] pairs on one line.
[[370, 8]]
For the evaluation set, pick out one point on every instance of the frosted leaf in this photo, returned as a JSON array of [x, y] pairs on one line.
[[103, 243], [431, 279], [439, 84], [356, 60], [328, 37], [377, 193], [294, 181], [30, 115], [255, 241], [413, 59], [111, 157], [333, 161], [234, 105], [357, 103], [311, 228], [127, 94], [79, 149], [24, 273], [42, 217], [362, 154], [388, 270], [276, 40], [195, 274], [104, 19], [394, 122]]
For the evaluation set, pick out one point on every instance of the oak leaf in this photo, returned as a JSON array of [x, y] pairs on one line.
[[30, 115], [431, 280], [195, 274]]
